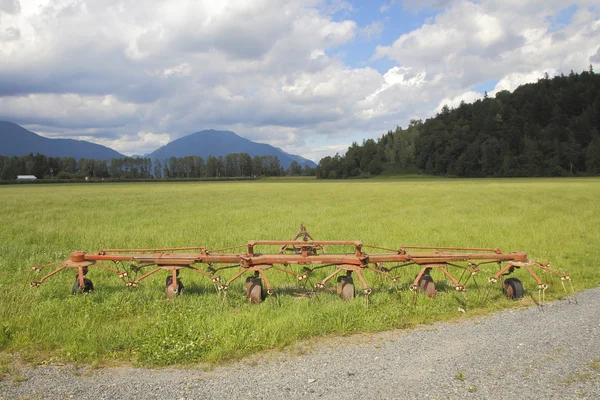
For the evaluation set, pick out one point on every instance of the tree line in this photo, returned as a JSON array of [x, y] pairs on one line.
[[548, 128], [231, 165]]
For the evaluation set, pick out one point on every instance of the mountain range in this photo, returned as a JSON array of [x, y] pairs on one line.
[[219, 143], [18, 141]]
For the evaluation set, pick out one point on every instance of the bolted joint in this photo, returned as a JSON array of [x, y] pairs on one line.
[[216, 279], [368, 291], [492, 280]]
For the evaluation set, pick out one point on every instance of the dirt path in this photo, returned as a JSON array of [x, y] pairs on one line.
[[549, 353]]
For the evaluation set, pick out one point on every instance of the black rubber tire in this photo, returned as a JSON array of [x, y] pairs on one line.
[[169, 292], [88, 286], [254, 290], [427, 286], [345, 287], [513, 289], [339, 284]]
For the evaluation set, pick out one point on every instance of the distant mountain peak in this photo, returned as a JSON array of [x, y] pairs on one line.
[[18, 141], [212, 142]]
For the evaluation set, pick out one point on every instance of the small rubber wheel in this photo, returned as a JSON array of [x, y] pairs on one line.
[[172, 291], [345, 287], [339, 284], [254, 290], [88, 286], [513, 289], [427, 286]]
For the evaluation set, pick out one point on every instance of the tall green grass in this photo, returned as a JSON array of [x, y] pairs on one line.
[[553, 220]]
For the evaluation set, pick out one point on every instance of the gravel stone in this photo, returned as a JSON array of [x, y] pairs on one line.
[[532, 353]]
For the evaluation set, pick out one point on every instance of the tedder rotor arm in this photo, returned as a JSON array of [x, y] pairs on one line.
[[257, 256]]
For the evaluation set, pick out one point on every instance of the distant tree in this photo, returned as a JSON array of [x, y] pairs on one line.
[[307, 170], [592, 156], [245, 165], [158, 170], [294, 169], [166, 170], [115, 169], [211, 167], [10, 169]]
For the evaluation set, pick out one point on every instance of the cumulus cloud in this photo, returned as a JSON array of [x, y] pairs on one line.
[[133, 74], [10, 6], [416, 5], [138, 144], [472, 43], [454, 102], [596, 57]]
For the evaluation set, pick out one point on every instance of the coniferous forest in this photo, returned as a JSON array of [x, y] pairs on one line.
[[548, 128]]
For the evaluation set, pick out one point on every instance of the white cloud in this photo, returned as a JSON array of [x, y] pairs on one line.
[[454, 102], [133, 74], [139, 144], [71, 111], [10, 6], [473, 43], [512, 81]]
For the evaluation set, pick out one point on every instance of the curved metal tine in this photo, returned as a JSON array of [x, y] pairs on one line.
[[401, 265], [573, 291], [487, 294]]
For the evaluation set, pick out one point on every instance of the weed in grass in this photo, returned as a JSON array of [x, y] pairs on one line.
[[587, 372], [5, 366], [594, 364], [43, 224], [18, 378]]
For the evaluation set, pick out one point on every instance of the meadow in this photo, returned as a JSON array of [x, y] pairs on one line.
[[554, 220]]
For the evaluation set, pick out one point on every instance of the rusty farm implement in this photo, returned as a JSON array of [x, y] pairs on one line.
[[302, 256]]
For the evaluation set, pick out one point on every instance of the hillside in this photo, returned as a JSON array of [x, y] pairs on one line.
[[547, 128], [220, 143], [18, 141]]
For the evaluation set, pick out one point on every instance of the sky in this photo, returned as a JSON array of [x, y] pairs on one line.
[[310, 77]]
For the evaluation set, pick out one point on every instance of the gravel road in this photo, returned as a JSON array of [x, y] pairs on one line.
[[532, 353]]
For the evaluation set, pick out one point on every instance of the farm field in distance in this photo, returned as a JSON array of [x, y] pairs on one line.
[[552, 220]]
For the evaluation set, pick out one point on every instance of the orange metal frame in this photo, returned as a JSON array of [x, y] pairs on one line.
[[304, 251]]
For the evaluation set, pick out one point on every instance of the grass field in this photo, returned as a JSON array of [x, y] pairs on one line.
[[553, 220]]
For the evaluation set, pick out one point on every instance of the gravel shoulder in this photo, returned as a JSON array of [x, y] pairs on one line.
[[533, 353]]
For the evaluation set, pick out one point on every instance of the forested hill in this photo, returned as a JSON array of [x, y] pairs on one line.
[[548, 128]]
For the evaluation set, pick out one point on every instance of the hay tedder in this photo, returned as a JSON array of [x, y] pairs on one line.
[[301, 256]]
